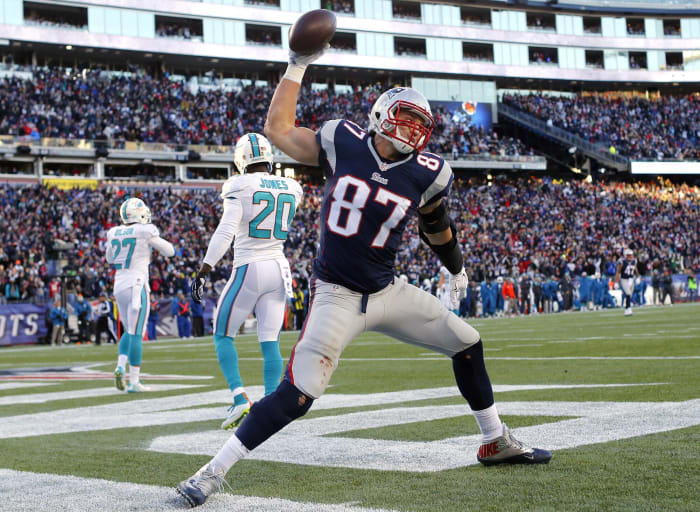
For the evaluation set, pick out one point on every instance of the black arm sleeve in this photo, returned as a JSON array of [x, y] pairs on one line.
[[449, 254], [435, 221]]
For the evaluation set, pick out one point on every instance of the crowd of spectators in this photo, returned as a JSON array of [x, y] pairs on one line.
[[635, 27], [507, 229], [407, 11], [340, 6], [541, 58], [90, 104], [54, 20], [666, 127], [175, 30]]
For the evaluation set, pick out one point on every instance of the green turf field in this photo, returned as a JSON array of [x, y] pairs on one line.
[[617, 398]]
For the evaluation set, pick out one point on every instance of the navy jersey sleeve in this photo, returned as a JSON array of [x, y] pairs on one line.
[[440, 187], [325, 137]]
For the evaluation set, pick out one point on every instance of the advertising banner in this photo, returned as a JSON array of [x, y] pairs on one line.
[[22, 323]]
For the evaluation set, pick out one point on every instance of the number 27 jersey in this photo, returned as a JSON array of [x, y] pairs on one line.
[[367, 204]]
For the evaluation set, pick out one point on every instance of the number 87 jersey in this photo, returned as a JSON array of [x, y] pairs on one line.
[[367, 203]]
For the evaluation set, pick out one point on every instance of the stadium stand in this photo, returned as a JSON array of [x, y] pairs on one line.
[[91, 103], [664, 127], [509, 228]]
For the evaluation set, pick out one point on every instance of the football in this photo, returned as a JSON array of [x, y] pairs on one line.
[[312, 31]]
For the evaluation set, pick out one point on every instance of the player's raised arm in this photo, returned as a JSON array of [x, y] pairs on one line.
[[297, 142]]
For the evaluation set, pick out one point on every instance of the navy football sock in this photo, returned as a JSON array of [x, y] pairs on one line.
[[472, 379], [272, 413]]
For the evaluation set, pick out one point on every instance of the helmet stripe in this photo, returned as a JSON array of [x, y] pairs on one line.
[[256, 145], [123, 212]]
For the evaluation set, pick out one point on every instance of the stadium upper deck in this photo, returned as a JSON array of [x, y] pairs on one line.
[[568, 43]]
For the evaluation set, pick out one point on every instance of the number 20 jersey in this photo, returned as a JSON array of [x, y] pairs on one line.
[[367, 204], [268, 203]]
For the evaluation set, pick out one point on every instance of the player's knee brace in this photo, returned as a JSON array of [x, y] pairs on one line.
[[471, 376], [272, 413]]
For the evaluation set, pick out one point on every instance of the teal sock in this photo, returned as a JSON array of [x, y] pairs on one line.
[[272, 365], [135, 350], [228, 361], [124, 343]]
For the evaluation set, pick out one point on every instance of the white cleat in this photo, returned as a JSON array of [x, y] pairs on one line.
[[137, 388], [628, 311], [201, 485], [236, 413]]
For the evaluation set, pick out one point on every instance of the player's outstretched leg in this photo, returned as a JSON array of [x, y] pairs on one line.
[[228, 361], [267, 416], [498, 445]]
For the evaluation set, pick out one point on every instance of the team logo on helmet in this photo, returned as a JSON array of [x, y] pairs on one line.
[[135, 210], [252, 148], [406, 134]]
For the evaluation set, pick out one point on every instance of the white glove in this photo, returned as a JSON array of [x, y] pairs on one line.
[[458, 285], [298, 63], [304, 59]]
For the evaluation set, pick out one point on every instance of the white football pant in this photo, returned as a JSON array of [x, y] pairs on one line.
[[258, 286], [400, 310]]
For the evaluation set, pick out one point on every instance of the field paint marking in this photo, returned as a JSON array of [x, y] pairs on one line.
[[40, 398], [16, 385], [300, 442], [83, 372], [525, 345], [28, 492], [143, 412]]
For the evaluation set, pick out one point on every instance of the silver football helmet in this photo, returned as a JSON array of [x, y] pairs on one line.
[[135, 210], [252, 148], [406, 135]]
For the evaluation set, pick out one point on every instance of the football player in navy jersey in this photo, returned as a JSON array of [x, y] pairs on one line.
[[376, 180], [626, 272]]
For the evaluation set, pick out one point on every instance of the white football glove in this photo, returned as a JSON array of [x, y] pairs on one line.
[[301, 59], [458, 285]]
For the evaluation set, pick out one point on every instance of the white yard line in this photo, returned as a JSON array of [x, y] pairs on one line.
[[40, 398], [29, 492]]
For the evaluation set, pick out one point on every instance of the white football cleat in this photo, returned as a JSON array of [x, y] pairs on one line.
[[137, 388], [508, 450], [201, 485], [628, 311], [236, 413]]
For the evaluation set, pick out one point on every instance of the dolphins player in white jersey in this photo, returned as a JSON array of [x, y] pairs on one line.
[[129, 251], [258, 210]]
